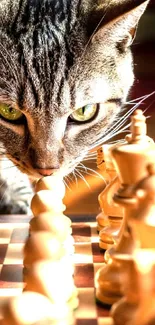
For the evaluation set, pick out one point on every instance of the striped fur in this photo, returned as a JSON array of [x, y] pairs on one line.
[[55, 57]]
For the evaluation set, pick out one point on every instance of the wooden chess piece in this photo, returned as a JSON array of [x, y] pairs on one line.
[[59, 225], [142, 225], [53, 280], [40, 246], [49, 266], [130, 160], [109, 234], [145, 266], [50, 191], [33, 308], [102, 219], [110, 219]]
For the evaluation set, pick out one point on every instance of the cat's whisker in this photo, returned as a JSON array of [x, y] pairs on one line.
[[93, 155], [69, 178], [87, 173], [82, 165], [148, 108], [86, 169], [82, 177], [96, 173], [87, 158], [74, 174], [142, 97], [93, 159], [128, 113], [109, 136], [115, 129], [65, 183]]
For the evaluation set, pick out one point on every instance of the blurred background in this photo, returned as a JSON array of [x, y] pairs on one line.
[[82, 197]]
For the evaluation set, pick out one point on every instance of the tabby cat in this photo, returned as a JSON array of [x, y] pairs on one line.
[[65, 72]]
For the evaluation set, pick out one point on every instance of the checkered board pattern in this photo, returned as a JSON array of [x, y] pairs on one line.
[[87, 258]]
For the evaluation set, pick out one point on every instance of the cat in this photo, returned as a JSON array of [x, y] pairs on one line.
[[65, 72]]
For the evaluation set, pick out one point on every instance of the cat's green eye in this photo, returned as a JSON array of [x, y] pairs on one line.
[[10, 113], [84, 114]]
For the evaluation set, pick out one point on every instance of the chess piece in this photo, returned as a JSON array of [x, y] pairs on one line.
[[58, 225], [48, 208], [111, 215], [143, 222], [46, 201], [33, 308], [40, 246], [125, 308], [50, 191], [53, 280], [49, 268], [109, 234], [53, 183], [130, 160], [102, 219], [145, 266], [142, 225]]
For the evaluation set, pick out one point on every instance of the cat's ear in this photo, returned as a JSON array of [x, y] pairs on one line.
[[123, 26]]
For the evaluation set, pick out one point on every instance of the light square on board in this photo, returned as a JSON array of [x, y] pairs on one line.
[[83, 253], [87, 307], [105, 321], [14, 254], [20, 235], [5, 234]]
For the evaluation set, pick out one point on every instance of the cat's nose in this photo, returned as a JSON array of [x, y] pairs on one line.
[[46, 172]]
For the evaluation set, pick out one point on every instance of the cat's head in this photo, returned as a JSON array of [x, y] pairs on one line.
[[65, 72]]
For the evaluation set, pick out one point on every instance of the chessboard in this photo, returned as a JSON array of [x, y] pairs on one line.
[[88, 258]]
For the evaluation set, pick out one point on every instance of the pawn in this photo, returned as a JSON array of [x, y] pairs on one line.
[[46, 201], [33, 308], [53, 183], [53, 280], [50, 191], [42, 246], [57, 225]]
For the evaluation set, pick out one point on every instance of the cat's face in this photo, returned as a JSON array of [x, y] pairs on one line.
[[65, 73]]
